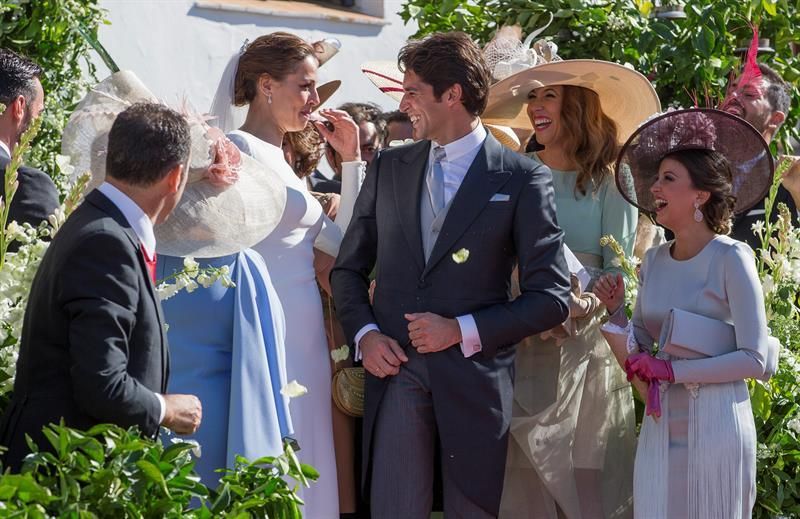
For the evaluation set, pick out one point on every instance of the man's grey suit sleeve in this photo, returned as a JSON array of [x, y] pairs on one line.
[[101, 306], [543, 273]]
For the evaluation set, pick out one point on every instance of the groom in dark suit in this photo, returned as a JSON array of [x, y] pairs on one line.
[[93, 345], [446, 220]]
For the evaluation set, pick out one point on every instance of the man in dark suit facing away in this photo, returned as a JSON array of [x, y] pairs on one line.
[[446, 220], [21, 92], [93, 347]]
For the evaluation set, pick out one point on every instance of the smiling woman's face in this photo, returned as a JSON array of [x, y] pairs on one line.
[[675, 195], [544, 111]]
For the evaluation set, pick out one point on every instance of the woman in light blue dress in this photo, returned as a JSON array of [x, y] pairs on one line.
[[226, 347]]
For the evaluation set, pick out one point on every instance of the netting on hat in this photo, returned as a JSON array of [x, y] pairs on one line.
[[698, 128]]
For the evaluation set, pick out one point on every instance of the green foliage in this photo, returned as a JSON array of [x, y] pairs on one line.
[[48, 31], [111, 472], [685, 59]]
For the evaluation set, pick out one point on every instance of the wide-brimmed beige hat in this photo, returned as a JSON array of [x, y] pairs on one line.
[[626, 96], [231, 201], [387, 77]]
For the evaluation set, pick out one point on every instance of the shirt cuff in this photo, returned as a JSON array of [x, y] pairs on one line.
[[360, 335], [163, 411], [619, 318], [470, 339]]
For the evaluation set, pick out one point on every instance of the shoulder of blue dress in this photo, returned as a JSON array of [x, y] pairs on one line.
[[241, 140], [732, 246]]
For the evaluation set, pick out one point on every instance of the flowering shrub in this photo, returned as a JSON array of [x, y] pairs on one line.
[[775, 407]]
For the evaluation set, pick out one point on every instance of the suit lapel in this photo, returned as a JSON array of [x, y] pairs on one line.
[[102, 202], [408, 174], [484, 177]]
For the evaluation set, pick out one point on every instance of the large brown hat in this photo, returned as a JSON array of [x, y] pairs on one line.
[[696, 128], [626, 96], [231, 201]]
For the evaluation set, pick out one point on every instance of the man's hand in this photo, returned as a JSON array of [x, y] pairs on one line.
[[430, 332], [381, 355], [183, 413]]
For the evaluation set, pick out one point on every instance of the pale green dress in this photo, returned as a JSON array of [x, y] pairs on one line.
[[572, 431]]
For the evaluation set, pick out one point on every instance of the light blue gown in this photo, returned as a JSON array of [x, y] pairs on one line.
[[226, 347]]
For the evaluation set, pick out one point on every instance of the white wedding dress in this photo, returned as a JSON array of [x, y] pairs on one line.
[[289, 254]]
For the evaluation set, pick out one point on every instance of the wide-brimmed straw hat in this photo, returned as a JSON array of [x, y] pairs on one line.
[[626, 96], [231, 201], [742, 145], [387, 77]]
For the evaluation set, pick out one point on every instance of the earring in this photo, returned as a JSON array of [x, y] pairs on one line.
[[269, 97], [698, 214]]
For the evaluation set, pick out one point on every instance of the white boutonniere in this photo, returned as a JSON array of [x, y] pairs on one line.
[[341, 353], [293, 389], [460, 256]]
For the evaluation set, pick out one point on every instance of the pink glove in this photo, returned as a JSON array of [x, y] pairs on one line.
[[653, 404], [648, 368]]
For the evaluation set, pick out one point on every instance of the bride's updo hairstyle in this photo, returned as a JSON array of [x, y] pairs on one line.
[[276, 54]]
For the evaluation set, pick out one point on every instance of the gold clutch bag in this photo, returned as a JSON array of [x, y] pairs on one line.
[[347, 390]]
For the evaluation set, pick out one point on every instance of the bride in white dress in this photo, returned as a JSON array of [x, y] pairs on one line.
[[275, 76]]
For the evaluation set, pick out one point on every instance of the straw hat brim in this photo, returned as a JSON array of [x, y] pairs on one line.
[[626, 96], [387, 77], [326, 90], [752, 166]]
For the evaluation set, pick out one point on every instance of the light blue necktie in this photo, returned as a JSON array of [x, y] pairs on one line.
[[437, 179]]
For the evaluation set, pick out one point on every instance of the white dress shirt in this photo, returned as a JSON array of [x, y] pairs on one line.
[[459, 157], [142, 226]]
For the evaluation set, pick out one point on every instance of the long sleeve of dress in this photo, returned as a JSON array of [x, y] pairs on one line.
[[643, 337], [619, 220], [352, 177], [746, 302], [330, 236]]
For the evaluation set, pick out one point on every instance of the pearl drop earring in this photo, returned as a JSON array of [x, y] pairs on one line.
[[698, 214]]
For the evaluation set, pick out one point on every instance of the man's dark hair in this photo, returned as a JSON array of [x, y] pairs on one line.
[[145, 142], [445, 59], [17, 74], [778, 90], [396, 116], [363, 112]]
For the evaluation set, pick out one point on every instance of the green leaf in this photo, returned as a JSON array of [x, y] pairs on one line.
[[563, 13], [153, 474], [770, 7], [704, 41]]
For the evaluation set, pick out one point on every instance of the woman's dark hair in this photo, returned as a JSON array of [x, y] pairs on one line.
[[710, 171], [445, 59], [276, 54]]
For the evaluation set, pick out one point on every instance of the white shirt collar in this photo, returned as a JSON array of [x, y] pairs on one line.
[[139, 222], [465, 144], [4, 148]]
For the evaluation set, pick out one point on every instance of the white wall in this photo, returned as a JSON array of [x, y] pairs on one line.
[[180, 50]]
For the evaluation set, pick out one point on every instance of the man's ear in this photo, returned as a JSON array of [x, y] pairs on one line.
[[453, 94], [17, 108], [174, 179], [776, 119]]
